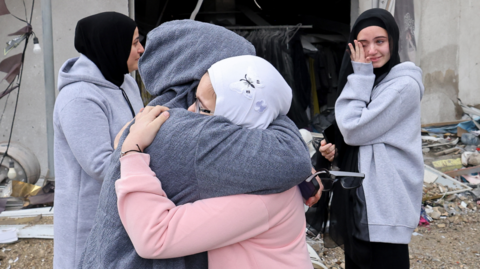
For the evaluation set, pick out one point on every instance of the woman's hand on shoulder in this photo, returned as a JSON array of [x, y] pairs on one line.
[[357, 54], [147, 123]]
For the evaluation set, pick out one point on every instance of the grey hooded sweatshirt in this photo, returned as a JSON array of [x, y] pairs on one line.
[[88, 114], [195, 156], [385, 124]]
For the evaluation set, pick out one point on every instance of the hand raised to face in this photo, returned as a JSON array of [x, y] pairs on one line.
[[357, 54]]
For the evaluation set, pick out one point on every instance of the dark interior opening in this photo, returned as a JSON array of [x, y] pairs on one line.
[[325, 16], [323, 43]]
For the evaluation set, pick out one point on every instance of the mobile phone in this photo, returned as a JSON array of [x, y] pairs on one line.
[[309, 187], [325, 138], [329, 134]]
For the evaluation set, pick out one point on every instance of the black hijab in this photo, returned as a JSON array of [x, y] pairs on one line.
[[372, 17], [106, 39]]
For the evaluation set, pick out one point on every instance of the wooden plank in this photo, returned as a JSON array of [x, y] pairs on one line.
[[440, 124], [20, 220], [464, 171], [447, 151]]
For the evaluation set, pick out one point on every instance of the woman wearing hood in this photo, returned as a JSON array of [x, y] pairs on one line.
[[377, 133], [97, 98], [195, 157], [239, 231]]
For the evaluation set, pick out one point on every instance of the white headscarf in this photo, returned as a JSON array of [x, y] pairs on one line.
[[250, 91]]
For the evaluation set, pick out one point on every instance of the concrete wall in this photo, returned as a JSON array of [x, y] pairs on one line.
[[30, 123], [449, 57], [439, 49]]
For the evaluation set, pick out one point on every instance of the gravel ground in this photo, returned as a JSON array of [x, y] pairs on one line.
[[449, 243], [27, 253]]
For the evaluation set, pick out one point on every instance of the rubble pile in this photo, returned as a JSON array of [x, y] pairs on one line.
[[434, 189], [452, 209]]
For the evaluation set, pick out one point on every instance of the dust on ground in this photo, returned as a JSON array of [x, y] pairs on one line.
[[449, 243], [28, 253], [456, 245]]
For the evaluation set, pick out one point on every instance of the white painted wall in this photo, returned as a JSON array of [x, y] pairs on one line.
[[30, 122]]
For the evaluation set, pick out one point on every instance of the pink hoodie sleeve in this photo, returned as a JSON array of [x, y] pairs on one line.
[[159, 229]]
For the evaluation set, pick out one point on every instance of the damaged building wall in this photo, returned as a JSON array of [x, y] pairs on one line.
[[469, 54], [30, 122], [447, 35], [448, 57]]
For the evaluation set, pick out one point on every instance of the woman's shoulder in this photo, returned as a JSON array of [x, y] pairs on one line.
[[405, 75], [405, 67], [79, 90], [83, 94]]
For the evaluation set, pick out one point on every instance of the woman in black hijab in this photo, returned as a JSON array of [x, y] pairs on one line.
[[96, 99], [377, 132]]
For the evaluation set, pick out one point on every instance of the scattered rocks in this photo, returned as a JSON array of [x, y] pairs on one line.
[[27, 253], [435, 215]]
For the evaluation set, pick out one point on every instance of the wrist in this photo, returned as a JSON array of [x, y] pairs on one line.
[[126, 149], [362, 68]]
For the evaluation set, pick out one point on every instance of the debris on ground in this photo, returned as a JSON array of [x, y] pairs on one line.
[[448, 235]]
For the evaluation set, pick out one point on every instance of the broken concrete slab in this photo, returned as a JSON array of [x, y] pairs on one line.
[[432, 175]]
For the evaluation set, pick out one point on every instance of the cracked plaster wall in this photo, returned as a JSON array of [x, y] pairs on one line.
[[449, 57]]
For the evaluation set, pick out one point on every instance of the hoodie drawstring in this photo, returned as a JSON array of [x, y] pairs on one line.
[[128, 102]]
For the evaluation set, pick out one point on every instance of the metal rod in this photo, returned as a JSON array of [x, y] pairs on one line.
[[49, 77], [267, 27]]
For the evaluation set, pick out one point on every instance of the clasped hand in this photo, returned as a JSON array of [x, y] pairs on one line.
[[147, 123]]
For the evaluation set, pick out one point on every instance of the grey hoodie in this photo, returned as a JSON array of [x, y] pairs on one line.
[[385, 123], [88, 114], [195, 156]]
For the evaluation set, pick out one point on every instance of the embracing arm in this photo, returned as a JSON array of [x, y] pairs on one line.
[[363, 121], [87, 131], [159, 229], [233, 160]]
